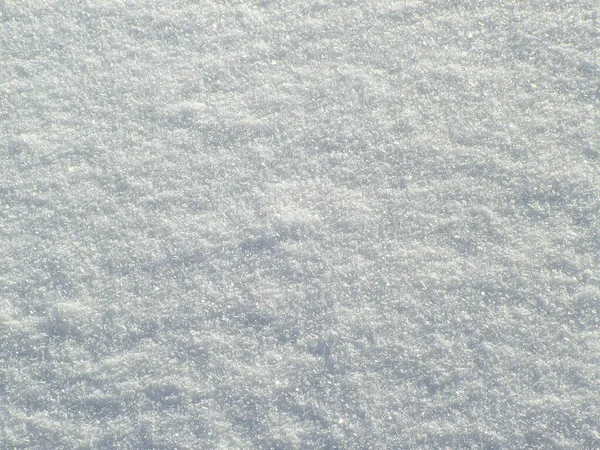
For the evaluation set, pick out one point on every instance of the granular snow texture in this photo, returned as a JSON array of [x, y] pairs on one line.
[[299, 224]]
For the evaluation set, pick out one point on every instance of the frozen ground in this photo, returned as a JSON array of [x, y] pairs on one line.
[[299, 224]]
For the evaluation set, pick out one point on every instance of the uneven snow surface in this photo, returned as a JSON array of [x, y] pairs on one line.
[[299, 224]]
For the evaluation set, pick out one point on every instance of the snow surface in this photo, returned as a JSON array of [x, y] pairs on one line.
[[299, 224]]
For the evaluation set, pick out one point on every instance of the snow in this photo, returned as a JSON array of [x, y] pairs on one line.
[[325, 224]]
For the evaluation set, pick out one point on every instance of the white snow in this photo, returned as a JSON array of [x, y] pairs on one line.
[[325, 224]]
